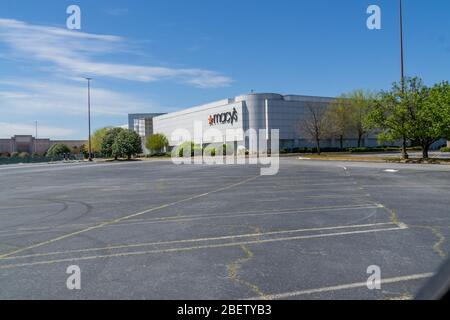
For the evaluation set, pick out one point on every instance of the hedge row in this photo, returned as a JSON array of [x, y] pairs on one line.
[[35, 159], [352, 150]]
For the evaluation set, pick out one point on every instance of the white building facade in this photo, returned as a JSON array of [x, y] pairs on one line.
[[259, 113]]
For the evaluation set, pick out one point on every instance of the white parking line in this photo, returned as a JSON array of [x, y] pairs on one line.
[[238, 236], [127, 217], [184, 249], [186, 218], [355, 285]]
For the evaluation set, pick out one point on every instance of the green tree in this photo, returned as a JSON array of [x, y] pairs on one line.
[[157, 143], [57, 150], [391, 116], [97, 139], [108, 141], [412, 112], [127, 144], [440, 96], [430, 114], [347, 114], [360, 103], [339, 115]]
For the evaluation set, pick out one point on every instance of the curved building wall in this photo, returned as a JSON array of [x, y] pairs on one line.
[[264, 111], [197, 119]]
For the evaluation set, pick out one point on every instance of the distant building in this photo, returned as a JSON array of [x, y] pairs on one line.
[[142, 124], [253, 112], [29, 144], [242, 115]]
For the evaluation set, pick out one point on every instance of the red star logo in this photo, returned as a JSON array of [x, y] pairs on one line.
[[211, 120]]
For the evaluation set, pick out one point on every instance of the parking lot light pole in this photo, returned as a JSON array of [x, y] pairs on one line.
[[35, 136], [89, 117], [402, 72]]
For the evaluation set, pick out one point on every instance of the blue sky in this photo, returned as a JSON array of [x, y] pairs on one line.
[[164, 55]]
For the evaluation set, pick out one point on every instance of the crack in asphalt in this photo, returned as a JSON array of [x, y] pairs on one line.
[[127, 217], [437, 246], [403, 297], [234, 266]]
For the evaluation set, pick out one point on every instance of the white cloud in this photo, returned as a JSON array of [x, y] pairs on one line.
[[79, 54], [8, 130], [28, 97]]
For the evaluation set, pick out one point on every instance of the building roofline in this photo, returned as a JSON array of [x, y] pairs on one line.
[[244, 97]]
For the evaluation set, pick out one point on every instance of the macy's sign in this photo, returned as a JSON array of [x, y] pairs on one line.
[[223, 118]]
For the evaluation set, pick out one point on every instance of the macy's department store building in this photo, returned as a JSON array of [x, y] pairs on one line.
[[242, 113]]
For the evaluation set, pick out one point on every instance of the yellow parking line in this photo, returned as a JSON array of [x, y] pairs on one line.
[[101, 225], [171, 250], [200, 240], [183, 218]]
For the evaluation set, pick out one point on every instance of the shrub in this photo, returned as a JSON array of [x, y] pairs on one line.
[[14, 155], [83, 151], [210, 150], [214, 149], [445, 149], [301, 150], [242, 151], [127, 144], [58, 150], [376, 149], [97, 140], [24, 155], [156, 143], [158, 155], [329, 149], [108, 141], [182, 149]]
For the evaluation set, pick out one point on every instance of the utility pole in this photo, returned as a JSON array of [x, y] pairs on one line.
[[89, 117], [35, 136], [402, 71], [402, 74]]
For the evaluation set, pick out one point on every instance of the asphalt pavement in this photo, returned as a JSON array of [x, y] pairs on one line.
[[155, 230]]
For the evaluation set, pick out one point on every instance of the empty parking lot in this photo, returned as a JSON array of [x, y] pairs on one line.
[[153, 230]]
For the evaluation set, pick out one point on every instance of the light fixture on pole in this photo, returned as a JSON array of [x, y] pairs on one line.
[[89, 118]]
